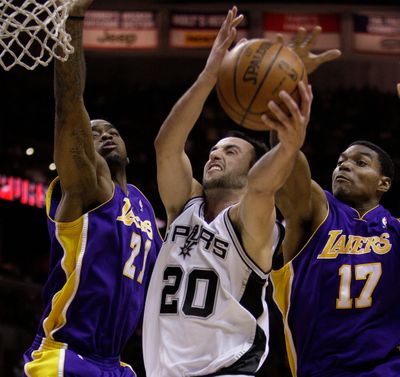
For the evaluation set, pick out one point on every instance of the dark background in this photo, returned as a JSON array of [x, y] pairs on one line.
[[354, 98]]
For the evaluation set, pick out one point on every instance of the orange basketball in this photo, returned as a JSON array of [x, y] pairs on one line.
[[252, 74]]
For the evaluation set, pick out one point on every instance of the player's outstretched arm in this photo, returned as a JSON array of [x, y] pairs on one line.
[[302, 45], [174, 172], [74, 151], [301, 201], [255, 214]]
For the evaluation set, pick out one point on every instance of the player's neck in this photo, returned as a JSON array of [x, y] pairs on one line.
[[218, 199], [362, 210], [119, 178], [363, 207]]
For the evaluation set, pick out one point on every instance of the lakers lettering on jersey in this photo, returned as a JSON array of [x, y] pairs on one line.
[[339, 243]]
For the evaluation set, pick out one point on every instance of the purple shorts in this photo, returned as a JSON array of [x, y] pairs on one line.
[[49, 358]]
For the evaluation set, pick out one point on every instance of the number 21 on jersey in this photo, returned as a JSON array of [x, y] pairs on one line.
[[130, 268]]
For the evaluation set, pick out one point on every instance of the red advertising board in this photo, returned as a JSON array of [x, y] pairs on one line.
[[23, 190], [287, 24]]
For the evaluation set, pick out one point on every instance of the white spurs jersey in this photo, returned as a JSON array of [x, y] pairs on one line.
[[205, 311]]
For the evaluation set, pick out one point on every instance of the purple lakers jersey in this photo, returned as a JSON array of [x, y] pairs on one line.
[[340, 296], [99, 272]]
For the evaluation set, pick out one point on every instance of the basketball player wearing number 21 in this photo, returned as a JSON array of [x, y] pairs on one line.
[[339, 288], [104, 238], [206, 313]]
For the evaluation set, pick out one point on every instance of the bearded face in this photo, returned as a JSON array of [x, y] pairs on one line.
[[228, 164], [229, 180]]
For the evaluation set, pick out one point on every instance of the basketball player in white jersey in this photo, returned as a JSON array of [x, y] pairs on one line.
[[205, 311]]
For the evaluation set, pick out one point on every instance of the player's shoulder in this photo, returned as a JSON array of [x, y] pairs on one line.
[[193, 202], [388, 219], [134, 191], [395, 220], [331, 198]]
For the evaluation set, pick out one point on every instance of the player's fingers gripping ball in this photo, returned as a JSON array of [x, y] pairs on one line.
[[252, 74]]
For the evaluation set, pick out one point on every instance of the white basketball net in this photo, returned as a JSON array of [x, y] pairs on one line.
[[33, 32]]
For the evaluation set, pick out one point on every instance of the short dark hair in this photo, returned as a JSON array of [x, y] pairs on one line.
[[387, 165], [102, 120], [260, 148]]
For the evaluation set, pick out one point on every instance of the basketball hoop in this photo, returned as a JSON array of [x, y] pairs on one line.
[[32, 32]]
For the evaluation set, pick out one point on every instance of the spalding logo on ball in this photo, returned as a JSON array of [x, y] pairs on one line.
[[252, 74]]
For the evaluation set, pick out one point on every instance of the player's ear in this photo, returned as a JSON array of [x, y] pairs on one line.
[[384, 184], [127, 161]]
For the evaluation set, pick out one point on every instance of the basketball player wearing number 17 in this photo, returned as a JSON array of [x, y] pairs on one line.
[[338, 289], [205, 311], [104, 238]]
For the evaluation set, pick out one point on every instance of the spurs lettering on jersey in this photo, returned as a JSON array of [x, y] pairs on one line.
[[198, 234]]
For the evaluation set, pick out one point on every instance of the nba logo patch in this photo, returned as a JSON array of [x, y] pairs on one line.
[[384, 222]]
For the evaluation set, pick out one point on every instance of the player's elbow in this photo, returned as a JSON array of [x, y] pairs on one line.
[[262, 193], [158, 143], [161, 142], [165, 149], [265, 187]]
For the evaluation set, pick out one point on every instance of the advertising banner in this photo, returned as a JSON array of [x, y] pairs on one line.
[[376, 33], [198, 30], [26, 192], [288, 24], [113, 30]]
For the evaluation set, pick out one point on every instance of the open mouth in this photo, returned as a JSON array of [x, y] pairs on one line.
[[341, 178], [109, 146], [214, 167]]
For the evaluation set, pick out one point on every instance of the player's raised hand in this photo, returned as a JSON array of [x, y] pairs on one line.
[[225, 37], [302, 45], [291, 129]]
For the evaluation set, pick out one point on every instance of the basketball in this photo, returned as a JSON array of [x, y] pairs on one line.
[[252, 74]]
